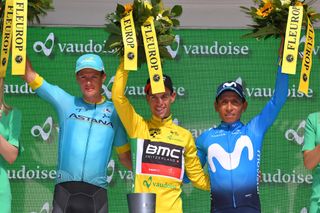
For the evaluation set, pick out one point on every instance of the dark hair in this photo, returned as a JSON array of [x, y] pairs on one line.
[[167, 83]]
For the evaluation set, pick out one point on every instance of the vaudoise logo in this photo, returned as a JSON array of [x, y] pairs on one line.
[[47, 46]]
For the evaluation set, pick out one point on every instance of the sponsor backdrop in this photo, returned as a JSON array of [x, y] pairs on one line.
[[203, 59]]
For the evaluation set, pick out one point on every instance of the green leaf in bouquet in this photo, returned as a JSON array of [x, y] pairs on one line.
[[176, 11], [156, 10], [165, 40], [166, 13], [112, 41], [316, 17], [164, 53], [155, 2], [166, 21], [163, 28], [138, 8], [113, 17], [37, 8], [120, 9], [261, 32], [113, 28], [175, 22]]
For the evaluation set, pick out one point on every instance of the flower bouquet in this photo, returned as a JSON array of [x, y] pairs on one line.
[[270, 17], [285, 19], [36, 8], [164, 22]]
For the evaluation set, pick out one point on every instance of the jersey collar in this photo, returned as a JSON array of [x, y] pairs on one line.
[[234, 125], [161, 121], [103, 99]]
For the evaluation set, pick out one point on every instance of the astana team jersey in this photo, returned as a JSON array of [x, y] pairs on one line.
[[233, 153], [87, 133], [161, 152]]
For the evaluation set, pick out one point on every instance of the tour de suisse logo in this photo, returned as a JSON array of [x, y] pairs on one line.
[[47, 46]]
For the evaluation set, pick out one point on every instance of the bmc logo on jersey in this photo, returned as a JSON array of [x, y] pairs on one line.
[[162, 159], [163, 151]]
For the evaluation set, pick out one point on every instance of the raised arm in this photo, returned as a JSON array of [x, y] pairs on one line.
[[270, 112], [129, 118], [30, 73]]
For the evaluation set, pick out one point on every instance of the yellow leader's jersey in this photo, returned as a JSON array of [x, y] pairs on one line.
[[161, 152]]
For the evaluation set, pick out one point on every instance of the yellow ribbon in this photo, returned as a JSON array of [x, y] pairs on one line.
[[130, 42], [153, 56], [6, 37], [292, 39], [307, 60], [19, 37]]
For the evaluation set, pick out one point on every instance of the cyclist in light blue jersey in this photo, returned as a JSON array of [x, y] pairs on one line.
[[89, 128]]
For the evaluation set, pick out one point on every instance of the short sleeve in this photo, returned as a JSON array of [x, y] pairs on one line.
[[310, 133]]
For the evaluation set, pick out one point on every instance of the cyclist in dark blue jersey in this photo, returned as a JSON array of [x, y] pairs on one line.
[[233, 149], [89, 128]]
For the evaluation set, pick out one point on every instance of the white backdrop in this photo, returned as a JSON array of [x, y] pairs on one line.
[[213, 14]]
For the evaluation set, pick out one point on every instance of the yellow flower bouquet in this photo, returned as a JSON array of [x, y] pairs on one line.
[[270, 16], [164, 22]]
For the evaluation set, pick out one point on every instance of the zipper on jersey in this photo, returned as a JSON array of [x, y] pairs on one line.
[[87, 142], [231, 175]]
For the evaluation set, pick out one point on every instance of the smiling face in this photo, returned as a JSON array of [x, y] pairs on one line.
[[160, 103], [90, 82], [230, 106]]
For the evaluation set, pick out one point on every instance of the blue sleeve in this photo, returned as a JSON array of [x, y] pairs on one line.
[[53, 94], [270, 112], [201, 154]]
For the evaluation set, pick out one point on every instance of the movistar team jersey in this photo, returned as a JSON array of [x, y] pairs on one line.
[[311, 140], [87, 133], [233, 153], [161, 152]]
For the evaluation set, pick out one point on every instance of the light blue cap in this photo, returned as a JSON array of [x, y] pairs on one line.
[[92, 61]]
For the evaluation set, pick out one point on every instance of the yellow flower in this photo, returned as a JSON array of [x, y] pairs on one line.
[[285, 2], [128, 7], [298, 3], [266, 9], [147, 5]]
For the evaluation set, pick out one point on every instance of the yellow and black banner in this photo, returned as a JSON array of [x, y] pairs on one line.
[[6, 36], [307, 59], [291, 44], [153, 56], [19, 37], [130, 42]]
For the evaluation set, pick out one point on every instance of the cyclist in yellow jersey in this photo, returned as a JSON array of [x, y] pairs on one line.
[[161, 151]]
